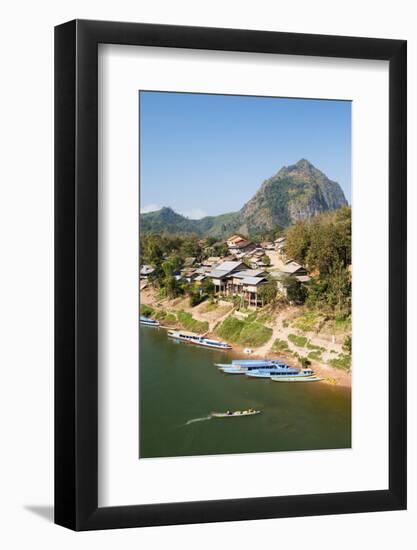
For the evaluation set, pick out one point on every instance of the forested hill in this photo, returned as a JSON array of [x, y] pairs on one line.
[[296, 192]]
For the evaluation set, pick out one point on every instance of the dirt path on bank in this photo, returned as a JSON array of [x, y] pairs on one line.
[[216, 314]]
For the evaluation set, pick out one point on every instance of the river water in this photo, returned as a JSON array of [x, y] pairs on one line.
[[180, 387]]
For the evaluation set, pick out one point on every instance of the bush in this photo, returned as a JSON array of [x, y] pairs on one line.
[[299, 341], [306, 322], [245, 333], [170, 319], [207, 287], [268, 292], [195, 299], [343, 324], [314, 347], [160, 315], [280, 345], [266, 260], [296, 292], [315, 355], [189, 323], [347, 345], [265, 318], [341, 362], [230, 329], [254, 334], [146, 311]]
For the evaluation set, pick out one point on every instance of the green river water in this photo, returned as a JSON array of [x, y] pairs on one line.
[[180, 387]]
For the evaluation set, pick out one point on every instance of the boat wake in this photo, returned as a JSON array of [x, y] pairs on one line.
[[197, 420]]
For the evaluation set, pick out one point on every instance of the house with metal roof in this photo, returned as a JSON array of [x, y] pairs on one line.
[[235, 279], [294, 268], [219, 273], [295, 271], [234, 239], [238, 245], [211, 261], [280, 245]]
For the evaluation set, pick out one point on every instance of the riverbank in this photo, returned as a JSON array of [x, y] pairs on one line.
[[283, 324], [330, 375]]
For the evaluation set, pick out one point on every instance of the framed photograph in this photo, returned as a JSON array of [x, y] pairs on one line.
[[230, 254]]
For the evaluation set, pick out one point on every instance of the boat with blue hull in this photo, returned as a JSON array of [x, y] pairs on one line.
[[247, 370], [149, 322], [304, 375], [190, 338], [272, 371], [243, 365]]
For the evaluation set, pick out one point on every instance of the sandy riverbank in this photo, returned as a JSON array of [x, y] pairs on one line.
[[213, 316], [331, 375]]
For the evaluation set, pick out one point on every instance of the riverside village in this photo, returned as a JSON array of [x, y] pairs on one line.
[[255, 297]]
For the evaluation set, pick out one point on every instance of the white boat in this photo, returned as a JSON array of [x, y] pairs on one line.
[[233, 370], [231, 414], [296, 378], [304, 375], [248, 364], [191, 338], [148, 322]]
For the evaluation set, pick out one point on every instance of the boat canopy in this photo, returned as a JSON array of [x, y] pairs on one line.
[[256, 362]]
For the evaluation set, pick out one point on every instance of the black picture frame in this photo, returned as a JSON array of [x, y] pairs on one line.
[[76, 272]]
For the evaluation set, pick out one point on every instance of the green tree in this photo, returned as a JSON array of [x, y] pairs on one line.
[[207, 287], [210, 241], [220, 249], [277, 232], [268, 292], [191, 247], [298, 241], [296, 292], [168, 268], [339, 289], [266, 260], [172, 289]]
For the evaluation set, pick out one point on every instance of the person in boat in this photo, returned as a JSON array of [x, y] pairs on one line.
[[229, 412]]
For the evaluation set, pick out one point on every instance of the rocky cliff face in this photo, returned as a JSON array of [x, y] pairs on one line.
[[299, 191]]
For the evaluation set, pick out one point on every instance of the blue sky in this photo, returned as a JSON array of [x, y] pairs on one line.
[[206, 154]]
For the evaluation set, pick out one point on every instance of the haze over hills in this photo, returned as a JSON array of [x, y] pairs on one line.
[[299, 191]]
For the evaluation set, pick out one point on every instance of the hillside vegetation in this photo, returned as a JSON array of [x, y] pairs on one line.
[[243, 332], [296, 192]]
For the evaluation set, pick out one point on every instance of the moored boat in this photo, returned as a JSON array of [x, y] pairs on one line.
[[233, 370], [245, 364], [149, 322], [304, 375], [267, 372], [296, 378], [191, 338]]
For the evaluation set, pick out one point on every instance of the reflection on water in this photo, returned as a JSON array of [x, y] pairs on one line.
[[180, 387]]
